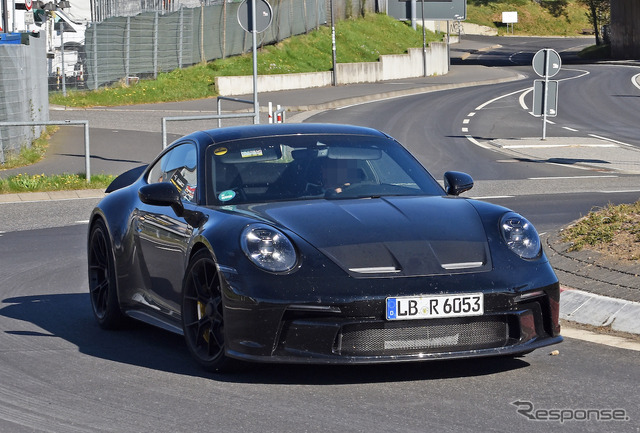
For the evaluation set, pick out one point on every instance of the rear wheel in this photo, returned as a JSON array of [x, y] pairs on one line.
[[102, 279], [202, 313]]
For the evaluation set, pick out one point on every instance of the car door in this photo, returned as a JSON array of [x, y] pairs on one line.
[[162, 238]]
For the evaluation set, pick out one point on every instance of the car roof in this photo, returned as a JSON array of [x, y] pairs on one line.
[[249, 131]]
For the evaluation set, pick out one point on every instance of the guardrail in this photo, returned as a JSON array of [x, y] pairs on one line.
[[219, 100], [256, 119], [85, 123], [205, 117]]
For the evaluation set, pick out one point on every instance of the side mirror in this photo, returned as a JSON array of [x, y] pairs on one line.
[[166, 194], [455, 182], [162, 194]]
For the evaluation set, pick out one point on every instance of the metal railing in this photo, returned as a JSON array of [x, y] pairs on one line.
[[243, 101], [205, 117], [85, 123]]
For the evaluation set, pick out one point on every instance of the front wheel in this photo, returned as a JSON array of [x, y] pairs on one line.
[[202, 313], [102, 279]]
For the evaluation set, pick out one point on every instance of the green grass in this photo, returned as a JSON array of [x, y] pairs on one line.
[[39, 182], [361, 40], [357, 40], [548, 18], [29, 155], [596, 52], [602, 226]]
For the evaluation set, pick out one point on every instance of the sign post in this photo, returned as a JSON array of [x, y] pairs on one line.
[[255, 16], [546, 63], [509, 18]]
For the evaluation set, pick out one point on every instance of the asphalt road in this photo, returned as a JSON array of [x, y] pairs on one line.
[[61, 373]]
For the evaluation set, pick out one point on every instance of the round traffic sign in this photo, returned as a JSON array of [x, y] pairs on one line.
[[264, 15], [28, 4], [544, 57]]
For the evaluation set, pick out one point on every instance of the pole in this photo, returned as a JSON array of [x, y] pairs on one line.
[[546, 94], [333, 46], [424, 42], [95, 56], [127, 50], [5, 18], [413, 14], [87, 152], [254, 38], [448, 48], [64, 74]]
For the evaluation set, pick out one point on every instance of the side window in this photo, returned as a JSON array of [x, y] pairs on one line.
[[178, 166]]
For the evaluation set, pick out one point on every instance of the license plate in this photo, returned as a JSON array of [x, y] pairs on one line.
[[431, 307]]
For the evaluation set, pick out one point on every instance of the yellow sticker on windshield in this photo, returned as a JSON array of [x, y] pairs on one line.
[[220, 151]]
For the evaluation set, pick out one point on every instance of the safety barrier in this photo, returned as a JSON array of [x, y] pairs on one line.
[[85, 123]]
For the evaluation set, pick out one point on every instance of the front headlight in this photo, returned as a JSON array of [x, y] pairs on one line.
[[520, 236], [268, 248]]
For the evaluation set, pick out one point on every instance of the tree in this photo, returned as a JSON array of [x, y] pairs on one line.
[[599, 14]]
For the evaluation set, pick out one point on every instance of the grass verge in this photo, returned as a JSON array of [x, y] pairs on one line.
[[30, 155], [535, 18], [612, 230], [64, 182], [357, 40]]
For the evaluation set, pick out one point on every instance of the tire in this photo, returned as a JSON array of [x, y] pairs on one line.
[[102, 279], [203, 314]]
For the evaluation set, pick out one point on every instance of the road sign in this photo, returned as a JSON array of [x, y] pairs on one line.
[[509, 17], [264, 15], [547, 62], [552, 98]]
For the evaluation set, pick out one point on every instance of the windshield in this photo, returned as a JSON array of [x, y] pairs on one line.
[[300, 167]]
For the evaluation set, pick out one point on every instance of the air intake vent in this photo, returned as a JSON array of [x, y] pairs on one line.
[[425, 336]]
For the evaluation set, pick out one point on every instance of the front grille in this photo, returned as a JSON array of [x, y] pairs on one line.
[[423, 336]]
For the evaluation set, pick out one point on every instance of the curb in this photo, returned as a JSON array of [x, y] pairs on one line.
[[341, 103], [589, 269], [29, 197], [599, 311]]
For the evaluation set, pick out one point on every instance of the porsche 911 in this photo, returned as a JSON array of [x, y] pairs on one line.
[[316, 243]]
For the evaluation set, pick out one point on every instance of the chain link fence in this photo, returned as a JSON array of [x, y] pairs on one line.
[[130, 48], [23, 93]]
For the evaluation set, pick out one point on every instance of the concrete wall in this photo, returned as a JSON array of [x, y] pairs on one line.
[[390, 67], [625, 31]]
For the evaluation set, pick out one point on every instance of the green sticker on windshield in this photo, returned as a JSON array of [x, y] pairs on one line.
[[226, 195]]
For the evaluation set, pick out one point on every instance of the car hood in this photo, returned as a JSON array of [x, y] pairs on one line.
[[392, 236]]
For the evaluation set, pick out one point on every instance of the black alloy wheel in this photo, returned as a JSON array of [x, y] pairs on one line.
[[202, 313], [102, 279]]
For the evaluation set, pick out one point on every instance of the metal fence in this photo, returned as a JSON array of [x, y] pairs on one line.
[[23, 93], [147, 44]]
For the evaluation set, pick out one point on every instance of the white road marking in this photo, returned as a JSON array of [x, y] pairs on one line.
[[634, 80], [605, 339], [621, 191], [471, 114], [570, 129], [465, 129], [477, 143], [481, 106], [549, 146], [572, 177], [611, 140], [466, 121], [492, 197], [521, 99], [82, 222]]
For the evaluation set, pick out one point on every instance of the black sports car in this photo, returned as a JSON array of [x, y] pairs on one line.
[[314, 243]]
